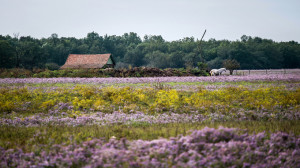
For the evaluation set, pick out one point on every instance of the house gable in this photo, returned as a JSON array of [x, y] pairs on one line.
[[110, 61]]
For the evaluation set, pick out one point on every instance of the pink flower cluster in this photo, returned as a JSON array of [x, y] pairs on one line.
[[271, 77], [139, 117], [208, 147]]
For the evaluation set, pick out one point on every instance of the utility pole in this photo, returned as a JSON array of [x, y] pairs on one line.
[[199, 47]]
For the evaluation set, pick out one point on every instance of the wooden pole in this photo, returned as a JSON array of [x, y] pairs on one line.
[[200, 47]]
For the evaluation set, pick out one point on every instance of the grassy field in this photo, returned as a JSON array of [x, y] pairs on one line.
[[38, 115]]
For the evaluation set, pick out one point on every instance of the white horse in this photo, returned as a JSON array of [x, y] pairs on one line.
[[217, 72]]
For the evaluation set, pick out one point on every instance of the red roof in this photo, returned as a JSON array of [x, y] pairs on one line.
[[76, 61]]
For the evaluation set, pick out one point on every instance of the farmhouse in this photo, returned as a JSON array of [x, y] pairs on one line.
[[89, 61]]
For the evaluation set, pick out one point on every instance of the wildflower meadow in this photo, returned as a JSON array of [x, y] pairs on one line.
[[220, 121]]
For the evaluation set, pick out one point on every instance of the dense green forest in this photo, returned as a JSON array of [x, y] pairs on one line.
[[130, 50]]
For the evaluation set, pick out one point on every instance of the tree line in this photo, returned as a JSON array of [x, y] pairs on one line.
[[130, 50]]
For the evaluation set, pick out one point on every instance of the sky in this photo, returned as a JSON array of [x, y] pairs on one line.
[[278, 20]]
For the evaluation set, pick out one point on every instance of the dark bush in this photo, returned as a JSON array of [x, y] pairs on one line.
[[52, 66]]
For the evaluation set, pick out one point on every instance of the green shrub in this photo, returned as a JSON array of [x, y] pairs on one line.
[[52, 66]]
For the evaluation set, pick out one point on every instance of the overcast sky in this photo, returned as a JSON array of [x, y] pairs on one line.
[[173, 19]]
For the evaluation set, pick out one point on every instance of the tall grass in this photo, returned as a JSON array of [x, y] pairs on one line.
[[28, 138]]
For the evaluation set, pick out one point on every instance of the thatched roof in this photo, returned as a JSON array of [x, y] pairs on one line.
[[76, 61]]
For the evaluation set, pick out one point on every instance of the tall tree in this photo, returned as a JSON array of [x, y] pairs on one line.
[[6, 54]]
